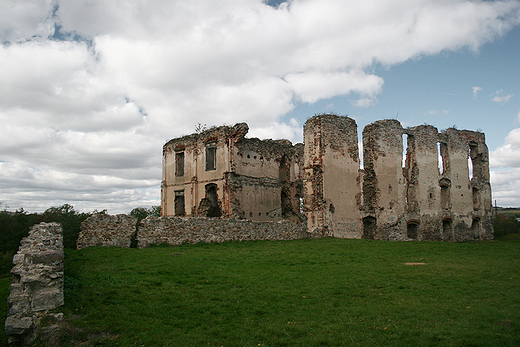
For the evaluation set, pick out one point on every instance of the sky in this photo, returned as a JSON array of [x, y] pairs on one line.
[[90, 90]]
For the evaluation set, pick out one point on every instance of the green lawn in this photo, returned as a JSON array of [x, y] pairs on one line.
[[323, 292]]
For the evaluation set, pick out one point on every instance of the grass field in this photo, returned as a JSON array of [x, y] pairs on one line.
[[323, 292]]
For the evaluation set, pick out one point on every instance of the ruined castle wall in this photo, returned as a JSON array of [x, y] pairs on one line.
[[205, 158], [179, 230], [423, 192], [37, 284], [267, 180], [331, 179], [106, 230], [383, 184], [470, 197]]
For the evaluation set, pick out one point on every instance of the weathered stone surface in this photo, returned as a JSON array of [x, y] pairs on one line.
[[179, 230], [220, 173], [47, 300], [37, 284], [18, 326], [420, 198], [106, 230]]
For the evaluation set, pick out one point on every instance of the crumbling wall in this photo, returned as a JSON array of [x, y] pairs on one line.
[[179, 230], [433, 201], [383, 183], [220, 173], [206, 157], [266, 184], [419, 198], [332, 177], [37, 284], [106, 230]]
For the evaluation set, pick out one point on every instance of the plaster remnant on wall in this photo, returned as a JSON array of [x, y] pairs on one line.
[[37, 283]]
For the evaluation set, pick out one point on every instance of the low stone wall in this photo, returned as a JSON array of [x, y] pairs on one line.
[[37, 284], [106, 230], [178, 230]]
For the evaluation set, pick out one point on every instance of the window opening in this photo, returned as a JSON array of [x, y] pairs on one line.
[[475, 226], [405, 150], [440, 159], [411, 230], [211, 156], [179, 203], [179, 164], [443, 149], [209, 206], [447, 229], [369, 227]]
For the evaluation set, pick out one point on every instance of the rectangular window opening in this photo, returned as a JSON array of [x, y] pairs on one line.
[[179, 164], [211, 156], [179, 203]]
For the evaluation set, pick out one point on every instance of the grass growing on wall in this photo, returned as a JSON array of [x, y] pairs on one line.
[[322, 292]]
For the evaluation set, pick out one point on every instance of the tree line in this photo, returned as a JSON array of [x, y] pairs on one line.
[[14, 226]]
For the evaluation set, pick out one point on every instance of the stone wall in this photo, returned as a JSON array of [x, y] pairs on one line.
[[179, 230], [37, 284], [106, 230], [441, 191]]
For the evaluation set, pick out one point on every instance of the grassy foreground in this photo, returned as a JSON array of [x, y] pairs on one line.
[[325, 292]]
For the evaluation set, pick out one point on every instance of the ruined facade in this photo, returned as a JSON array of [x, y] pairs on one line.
[[220, 173], [439, 191]]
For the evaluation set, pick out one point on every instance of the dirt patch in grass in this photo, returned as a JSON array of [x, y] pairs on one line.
[[414, 263]]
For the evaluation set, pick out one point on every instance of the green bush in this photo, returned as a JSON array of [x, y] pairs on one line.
[[505, 225]]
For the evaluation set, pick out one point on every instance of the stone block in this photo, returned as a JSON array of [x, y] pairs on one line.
[[18, 326], [47, 300]]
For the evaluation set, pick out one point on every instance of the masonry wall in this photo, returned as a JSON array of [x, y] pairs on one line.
[[107, 230], [332, 178], [430, 195], [179, 230], [37, 284], [248, 178], [383, 184]]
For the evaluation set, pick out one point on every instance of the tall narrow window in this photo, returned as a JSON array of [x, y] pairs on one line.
[[211, 156], [440, 159], [179, 164], [179, 203]]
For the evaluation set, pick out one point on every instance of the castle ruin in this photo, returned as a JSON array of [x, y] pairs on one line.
[[439, 191]]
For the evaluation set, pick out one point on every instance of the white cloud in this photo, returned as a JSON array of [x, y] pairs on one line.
[[292, 131], [95, 112], [508, 154], [497, 97], [505, 170], [506, 187], [476, 90]]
